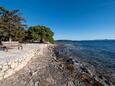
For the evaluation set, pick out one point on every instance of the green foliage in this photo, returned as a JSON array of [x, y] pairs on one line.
[[41, 33], [3, 34], [10, 23], [11, 27], [20, 35]]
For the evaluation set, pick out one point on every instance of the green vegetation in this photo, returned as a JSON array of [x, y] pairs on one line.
[[12, 28], [41, 33], [10, 23]]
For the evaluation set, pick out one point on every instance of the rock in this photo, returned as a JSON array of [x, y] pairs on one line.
[[44, 70]]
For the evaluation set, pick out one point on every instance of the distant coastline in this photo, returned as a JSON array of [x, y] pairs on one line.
[[86, 40]]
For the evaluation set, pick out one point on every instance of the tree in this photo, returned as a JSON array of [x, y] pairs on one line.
[[10, 22], [41, 33], [20, 35]]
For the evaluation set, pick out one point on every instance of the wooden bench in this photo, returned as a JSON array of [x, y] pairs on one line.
[[11, 45]]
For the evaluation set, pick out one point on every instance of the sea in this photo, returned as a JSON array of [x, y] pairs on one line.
[[99, 53]]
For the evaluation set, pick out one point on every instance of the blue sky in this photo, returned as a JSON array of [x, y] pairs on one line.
[[69, 19]]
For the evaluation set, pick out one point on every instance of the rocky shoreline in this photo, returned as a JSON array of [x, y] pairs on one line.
[[56, 68], [82, 72]]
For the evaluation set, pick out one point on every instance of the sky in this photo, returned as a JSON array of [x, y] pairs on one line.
[[69, 19]]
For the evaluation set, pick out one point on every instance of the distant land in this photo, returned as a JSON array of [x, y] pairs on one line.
[[85, 40]]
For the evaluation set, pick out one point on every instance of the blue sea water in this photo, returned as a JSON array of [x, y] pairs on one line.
[[100, 53]]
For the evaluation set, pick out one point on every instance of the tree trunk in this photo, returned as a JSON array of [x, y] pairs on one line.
[[41, 40], [10, 39]]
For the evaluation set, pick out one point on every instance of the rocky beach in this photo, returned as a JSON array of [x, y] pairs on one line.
[[55, 67], [57, 43]]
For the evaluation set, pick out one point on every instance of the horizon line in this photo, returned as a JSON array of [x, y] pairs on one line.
[[84, 40]]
